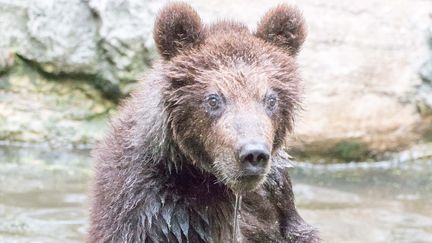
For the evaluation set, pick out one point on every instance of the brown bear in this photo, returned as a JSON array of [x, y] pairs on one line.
[[208, 122]]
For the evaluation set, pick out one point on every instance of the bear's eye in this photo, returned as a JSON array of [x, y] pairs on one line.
[[213, 102], [271, 102]]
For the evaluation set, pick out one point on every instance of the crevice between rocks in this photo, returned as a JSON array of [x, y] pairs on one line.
[[109, 90]]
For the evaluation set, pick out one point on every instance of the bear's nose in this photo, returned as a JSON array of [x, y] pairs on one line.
[[254, 157]]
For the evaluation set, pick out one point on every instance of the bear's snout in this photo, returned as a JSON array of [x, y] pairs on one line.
[[254, 158]]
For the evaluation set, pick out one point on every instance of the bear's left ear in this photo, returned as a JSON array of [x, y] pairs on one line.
[[177, 27], [283, 26]]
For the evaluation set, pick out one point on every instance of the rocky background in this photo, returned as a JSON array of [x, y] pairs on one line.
[[367, 65]]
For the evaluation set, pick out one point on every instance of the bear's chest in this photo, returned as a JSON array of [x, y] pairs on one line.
[[208, 217]]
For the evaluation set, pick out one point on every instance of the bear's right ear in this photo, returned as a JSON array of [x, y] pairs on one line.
[[178, 27]]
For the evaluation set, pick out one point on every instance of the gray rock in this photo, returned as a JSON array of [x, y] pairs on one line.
[[426, 72], [125, 34], [426, 69], [424, 91], [59, 35], [424, 99]]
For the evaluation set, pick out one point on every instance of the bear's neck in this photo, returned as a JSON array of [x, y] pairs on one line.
[[192, 181], [206, 203]]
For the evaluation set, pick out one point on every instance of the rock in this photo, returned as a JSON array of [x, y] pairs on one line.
[[34, 109], [359, 77], [125, 34], [426, 72], [424, 90], [424, 99], [60, 35], [359, 63], [6, 60], [426, 69]]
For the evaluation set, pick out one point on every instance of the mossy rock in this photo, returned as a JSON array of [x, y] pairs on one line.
[[333, 152], [350, 151]]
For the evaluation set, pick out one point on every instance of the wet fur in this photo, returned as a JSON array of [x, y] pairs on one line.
[[159, 174]]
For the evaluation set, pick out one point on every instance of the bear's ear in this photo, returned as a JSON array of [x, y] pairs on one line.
[[177, 27], [283, 26]]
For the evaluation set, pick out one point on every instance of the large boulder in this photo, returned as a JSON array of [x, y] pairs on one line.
[[360, 66]]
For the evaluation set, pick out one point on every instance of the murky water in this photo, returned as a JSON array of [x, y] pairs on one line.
[[383, 202], [43, 198], [43, 195]]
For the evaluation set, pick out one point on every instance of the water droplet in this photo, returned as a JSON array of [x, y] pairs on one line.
[[237, 206]]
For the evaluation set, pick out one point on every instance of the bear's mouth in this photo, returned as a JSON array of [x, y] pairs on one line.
[[243, 182], [250, 171], [246, 183], [250, 178]]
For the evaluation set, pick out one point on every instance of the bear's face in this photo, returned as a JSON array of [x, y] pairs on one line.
[[232, 94]]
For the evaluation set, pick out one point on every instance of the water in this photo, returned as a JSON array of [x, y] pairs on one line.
[[43, 198], [384, 202], [43, 195]]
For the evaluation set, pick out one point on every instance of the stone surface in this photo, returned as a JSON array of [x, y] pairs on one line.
[[125, 34], [360, 68], [34, 109], [426, 69], [424, 90], [360, 62], [60, 35]]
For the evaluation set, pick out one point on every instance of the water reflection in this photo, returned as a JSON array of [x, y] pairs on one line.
[[43, 197]]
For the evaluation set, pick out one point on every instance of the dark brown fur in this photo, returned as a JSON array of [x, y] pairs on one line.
[[168, 170]]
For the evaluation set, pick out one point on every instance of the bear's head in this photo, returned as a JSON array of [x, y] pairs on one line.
[[231, 94]]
